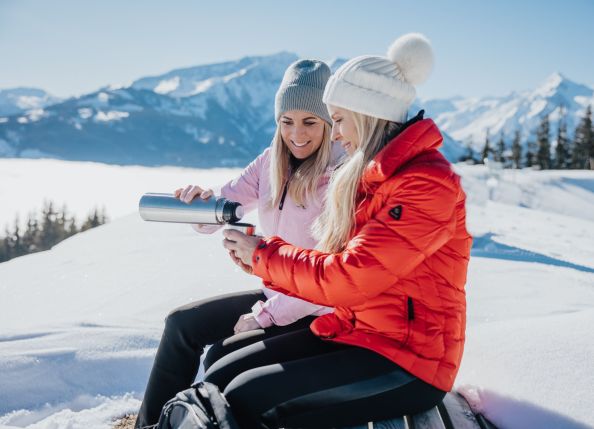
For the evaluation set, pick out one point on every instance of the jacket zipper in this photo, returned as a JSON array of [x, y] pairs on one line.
[[277, 213], [410, 311], [282, 200]]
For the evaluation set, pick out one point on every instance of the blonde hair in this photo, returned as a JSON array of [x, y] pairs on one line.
[[304, 181], [334, 227]]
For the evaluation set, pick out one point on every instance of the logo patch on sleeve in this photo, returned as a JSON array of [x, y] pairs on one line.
[[396, 212]]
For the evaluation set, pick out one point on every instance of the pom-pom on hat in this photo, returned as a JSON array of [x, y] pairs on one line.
[[382, 87]]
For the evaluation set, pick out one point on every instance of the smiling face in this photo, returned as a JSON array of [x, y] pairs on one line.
[[344, 129], [302, 132]]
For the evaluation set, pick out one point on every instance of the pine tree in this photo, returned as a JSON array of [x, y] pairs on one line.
[[562, 148], [590, 139], [499, 152], [543, 154], [530, 154], [7, 245], [3, 256], [94, 219], [61, 220], [468, 156], [582, 144], [49, 232], [516, 151], [486, 149], [31, 235], [71, 227], [103, 218], [17, 242]]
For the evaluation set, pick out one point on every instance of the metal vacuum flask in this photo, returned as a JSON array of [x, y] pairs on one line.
[[166, 208]]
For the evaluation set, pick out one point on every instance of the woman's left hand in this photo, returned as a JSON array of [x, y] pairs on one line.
[[242, 246], [246, 322]]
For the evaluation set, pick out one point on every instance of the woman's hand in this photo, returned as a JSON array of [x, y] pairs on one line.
[[246, 322], [188, 193], [240, 245], [239, 263]]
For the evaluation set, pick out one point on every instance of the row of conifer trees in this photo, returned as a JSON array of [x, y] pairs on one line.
[[575, 153], [42, 231]]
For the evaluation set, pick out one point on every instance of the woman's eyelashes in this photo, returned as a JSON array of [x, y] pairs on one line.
[[307, 124]]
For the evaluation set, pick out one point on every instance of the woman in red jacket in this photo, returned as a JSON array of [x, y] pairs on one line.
[[392, 261]]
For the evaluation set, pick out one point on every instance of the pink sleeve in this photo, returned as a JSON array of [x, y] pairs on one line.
[[245, 189], [282, 310]]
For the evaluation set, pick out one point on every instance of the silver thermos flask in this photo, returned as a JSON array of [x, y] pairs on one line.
[[214, 211]]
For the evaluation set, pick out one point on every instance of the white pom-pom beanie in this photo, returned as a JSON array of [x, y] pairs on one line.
[[382, 87]]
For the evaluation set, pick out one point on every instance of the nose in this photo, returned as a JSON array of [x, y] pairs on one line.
[[335, 136], [299, 132]]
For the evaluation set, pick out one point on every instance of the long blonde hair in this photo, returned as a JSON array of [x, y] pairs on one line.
[[304, 181], [335, 225]]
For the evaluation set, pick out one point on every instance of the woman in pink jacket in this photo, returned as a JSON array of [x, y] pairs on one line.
[[287, 184]]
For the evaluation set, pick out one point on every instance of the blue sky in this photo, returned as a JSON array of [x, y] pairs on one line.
[[70, 47]]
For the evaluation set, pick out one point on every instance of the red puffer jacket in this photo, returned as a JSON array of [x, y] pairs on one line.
[[398, 287]]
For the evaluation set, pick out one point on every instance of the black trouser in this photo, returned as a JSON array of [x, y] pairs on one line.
[[296, 380], [188, 329]]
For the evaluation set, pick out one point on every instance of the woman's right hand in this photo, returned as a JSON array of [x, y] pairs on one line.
[[190, 192], [187, 194]]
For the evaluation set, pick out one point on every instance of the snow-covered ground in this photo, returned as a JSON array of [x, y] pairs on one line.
[[79, 324]]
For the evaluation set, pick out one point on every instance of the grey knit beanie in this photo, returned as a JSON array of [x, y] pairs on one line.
[[302, 89]]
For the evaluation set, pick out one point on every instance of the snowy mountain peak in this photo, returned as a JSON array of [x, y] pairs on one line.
[[468, 119], [557, 83], [186, 82], [15, 101], [555, 79]]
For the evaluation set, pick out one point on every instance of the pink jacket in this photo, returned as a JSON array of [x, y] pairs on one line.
[[292, 223]]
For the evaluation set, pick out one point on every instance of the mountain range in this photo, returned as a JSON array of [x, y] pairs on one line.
[[223, 115], [467, 120]]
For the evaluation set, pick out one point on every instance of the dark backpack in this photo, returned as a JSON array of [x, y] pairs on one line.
[[202, 406]]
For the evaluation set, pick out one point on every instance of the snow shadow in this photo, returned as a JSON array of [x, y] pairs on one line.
[[60, 375], [511, 413], [9, 338], [587, 184], [484, 246]]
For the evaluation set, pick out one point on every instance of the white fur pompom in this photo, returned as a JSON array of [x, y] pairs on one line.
[[414, 56]]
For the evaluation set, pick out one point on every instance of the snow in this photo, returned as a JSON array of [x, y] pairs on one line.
[[85, 112], [112, 115], [37, 114], [82, 186], [79, 324], [168, 85], [18, 100], [83, 412]]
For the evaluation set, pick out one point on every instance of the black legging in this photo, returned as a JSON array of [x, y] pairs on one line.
[[190, 328], [298, 380]]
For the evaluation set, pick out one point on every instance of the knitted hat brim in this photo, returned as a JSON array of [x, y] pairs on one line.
[[342, 93], [301, 97]]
